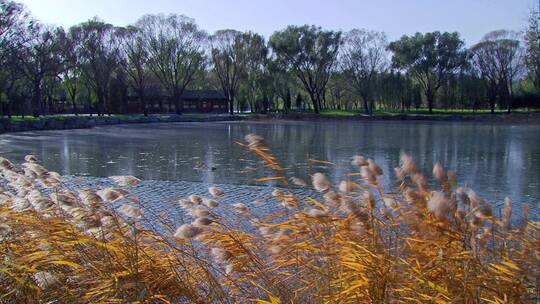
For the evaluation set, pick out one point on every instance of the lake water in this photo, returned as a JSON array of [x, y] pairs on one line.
[[496, 160]]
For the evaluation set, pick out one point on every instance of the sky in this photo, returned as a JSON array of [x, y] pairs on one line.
[[471, 18]]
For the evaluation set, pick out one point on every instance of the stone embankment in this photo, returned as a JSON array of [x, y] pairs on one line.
[[84, 122]]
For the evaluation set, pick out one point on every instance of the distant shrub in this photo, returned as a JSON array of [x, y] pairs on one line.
[[527, 100]]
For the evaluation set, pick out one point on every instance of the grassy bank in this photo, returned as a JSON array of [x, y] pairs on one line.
[[349, 243], [379, 112], [63, 117], [424, 111]]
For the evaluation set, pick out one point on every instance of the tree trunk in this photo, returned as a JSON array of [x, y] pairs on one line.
[[366, 107], [231, 103], [10, 108], [429, 97], [74, 106], [231, 106], [316, 106], [506, 97], [177, 108], [36, 99], [143, 103], [314, 101], [101, 101], [73, 97]]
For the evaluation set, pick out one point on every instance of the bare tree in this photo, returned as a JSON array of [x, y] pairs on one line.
[[499, 58], [175, 48], [41, 59], [135, 54], [98, 53], [15, 23], [363, 56]]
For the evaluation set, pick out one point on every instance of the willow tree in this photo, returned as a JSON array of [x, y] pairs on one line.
[[175, 49], [499, 58], [71, 73], [232, 54], [532, 42], [311, 53], [430, 58], [281, 81], [362, 57]]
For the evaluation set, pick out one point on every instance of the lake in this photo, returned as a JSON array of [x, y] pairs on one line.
[[496, 160]]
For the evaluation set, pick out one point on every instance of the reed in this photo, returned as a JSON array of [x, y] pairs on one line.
[[355, 242]]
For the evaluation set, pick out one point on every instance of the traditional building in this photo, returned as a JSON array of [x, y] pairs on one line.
[[204, 101], [193, 101]]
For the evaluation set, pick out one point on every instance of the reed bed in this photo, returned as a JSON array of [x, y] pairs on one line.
[[354, 242]]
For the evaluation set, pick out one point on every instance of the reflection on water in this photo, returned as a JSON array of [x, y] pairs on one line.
[[496, 160]]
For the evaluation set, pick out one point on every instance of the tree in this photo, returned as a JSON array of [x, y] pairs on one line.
[[135, 54], [98, 54], [71, 72], [339, 90], [532, 42], [175, 48], [498, 57], [256, 79], [14, 23], [311, 53], [280, 81], [430, 58], [363, 56], [299, 102], [232, 52], [11, 82], [41, 59]]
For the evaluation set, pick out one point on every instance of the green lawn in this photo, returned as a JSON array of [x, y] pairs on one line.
[[438, 111], [341, 112], [380, 112], [62, 117], [423, 111], [195, 115], [32, 118]]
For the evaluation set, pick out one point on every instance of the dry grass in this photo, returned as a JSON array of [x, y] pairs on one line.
[[357, 244]]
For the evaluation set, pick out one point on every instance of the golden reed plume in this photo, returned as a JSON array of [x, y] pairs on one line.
[[351, 243]]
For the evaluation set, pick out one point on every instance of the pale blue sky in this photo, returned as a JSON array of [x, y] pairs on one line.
[[472, 18]]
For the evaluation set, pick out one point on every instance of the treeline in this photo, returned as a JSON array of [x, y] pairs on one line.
[[95, 67]]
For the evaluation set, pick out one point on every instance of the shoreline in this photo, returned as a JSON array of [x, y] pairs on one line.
[[504, 118], [86, 122]]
